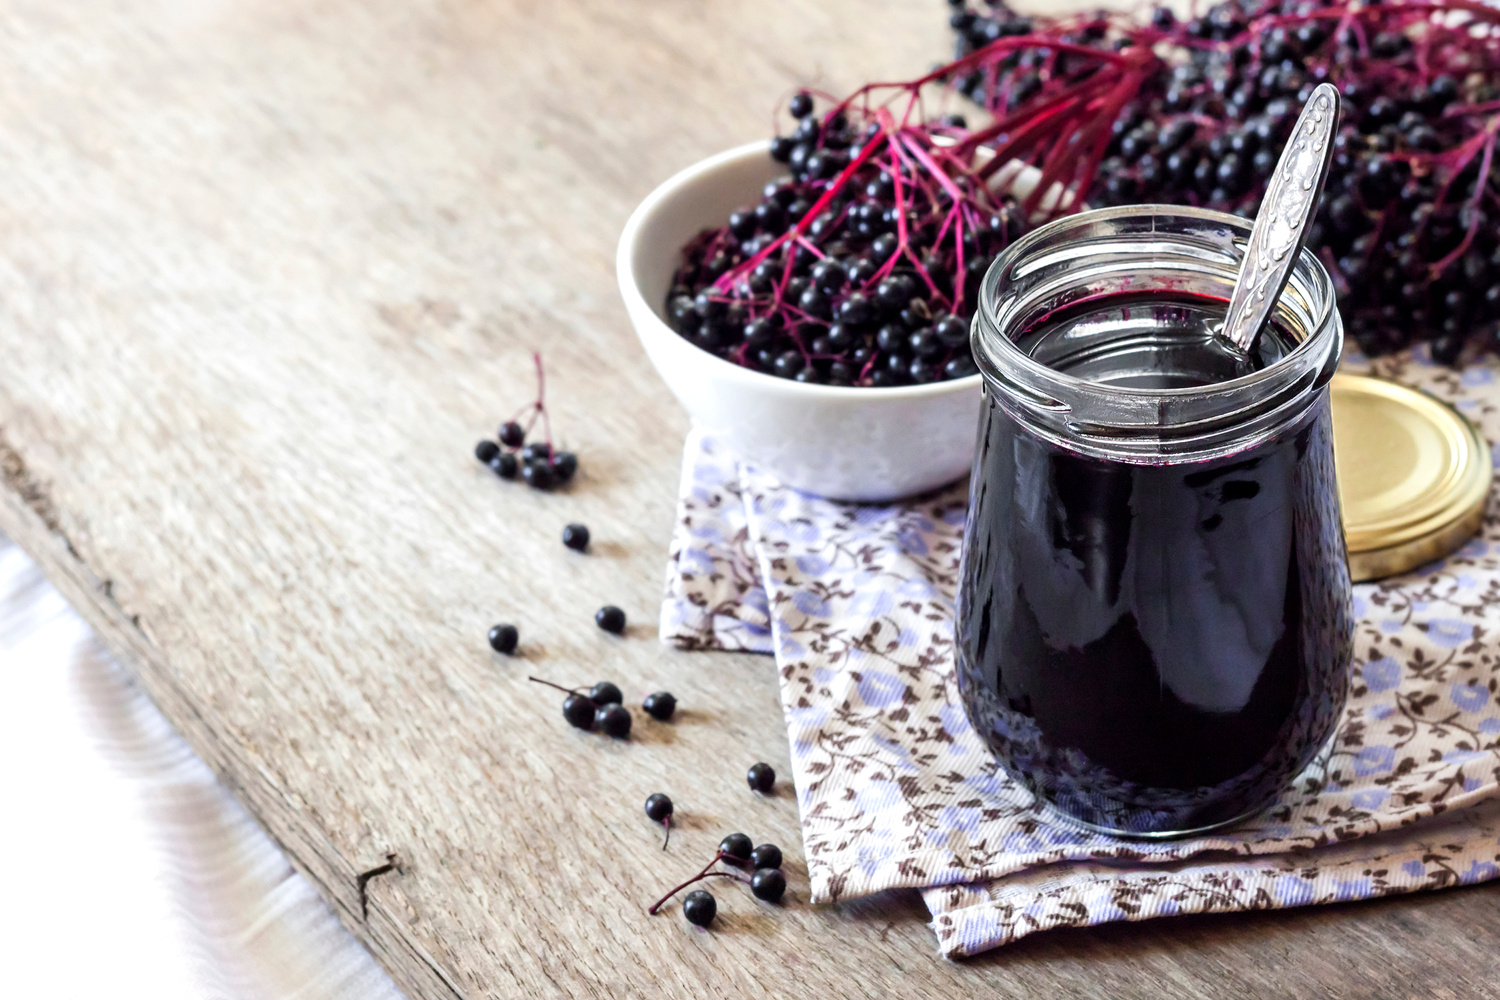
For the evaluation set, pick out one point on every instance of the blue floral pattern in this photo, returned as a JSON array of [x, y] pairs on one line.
[[895, 790]]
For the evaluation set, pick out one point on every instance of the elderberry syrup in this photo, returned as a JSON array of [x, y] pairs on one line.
[[1154, 624]]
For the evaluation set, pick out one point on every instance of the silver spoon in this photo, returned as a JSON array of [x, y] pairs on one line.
[[1281, 224]]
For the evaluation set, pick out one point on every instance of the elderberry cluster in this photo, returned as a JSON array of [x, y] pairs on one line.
[[538, 464], [767, 881], [1406, 225], [602, 708], [869, 280]]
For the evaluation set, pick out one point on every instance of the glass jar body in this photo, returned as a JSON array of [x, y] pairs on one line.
[[1154, 623]]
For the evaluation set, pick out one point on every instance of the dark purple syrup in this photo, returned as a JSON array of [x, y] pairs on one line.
[[1153, 648]]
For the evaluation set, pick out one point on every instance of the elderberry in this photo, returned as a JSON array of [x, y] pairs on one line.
[[660, 705], [579, 709], [537, 475], [613, 720], [576, 537], [606, 693], [768, 884], [737, 846], [1217, 98], [486, 451], [658, 807], [766, 856], [564, 465], [505, 465], [610, 619], [659, 810], [699, 907], [761, 777], [503, 639], [512, 434]]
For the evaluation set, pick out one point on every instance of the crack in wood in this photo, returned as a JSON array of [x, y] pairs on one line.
[[362, 882], [15, 474]]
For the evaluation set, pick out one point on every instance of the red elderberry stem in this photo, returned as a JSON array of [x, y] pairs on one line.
[[705, 873], [728, 279], [569, 690], [1479, 188]]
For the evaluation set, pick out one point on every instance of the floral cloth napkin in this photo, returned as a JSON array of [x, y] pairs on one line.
[[895, 788]]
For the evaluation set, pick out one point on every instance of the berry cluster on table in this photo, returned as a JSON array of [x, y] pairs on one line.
[[512, 452]]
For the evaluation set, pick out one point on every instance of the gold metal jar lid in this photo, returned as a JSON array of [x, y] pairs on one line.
[[1413, 475]]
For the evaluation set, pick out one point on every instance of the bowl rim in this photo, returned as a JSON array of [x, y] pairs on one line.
[[625, 258]]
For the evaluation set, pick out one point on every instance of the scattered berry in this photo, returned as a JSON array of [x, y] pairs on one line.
[[613, 720], [610, 619], [512, 434], [606, 693], [737, 846], [660, 705], [699, 908], [768, 884], [576, 537], [766, 856], [503, 639], [486, 451], [659, 810], [762, 778], [505, 465], [579, 709]]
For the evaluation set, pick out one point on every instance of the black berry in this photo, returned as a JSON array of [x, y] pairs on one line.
[[486, 451], [614, 720], [658, 807], [659, 810], [768, 884], [762, 777], [737, 845], [766, 856], [606, 693], [660, 705], [512, 434], [800, 105], [537, 475], [564, 464], [699, 908], [505, 465], [576, 537], [503, 639], [610, 619], [578, 709]]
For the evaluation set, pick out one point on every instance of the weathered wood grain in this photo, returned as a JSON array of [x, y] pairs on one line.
[[269, 269]]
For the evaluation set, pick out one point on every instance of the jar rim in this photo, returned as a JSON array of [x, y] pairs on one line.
[[1321, 327], [1142, 249]]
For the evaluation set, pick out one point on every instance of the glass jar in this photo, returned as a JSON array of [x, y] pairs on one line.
[[1154, 610]]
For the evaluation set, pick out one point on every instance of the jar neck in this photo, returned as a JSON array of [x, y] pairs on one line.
[[1141, 251]]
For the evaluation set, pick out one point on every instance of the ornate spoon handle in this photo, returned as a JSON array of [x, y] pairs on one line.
[[1285, 212]]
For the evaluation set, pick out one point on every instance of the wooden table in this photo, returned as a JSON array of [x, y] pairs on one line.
[[269, 270]]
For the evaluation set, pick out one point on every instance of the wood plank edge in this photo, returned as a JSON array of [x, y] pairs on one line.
[[29, 518]]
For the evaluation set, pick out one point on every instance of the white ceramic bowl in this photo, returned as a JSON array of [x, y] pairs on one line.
[[833, 441]]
